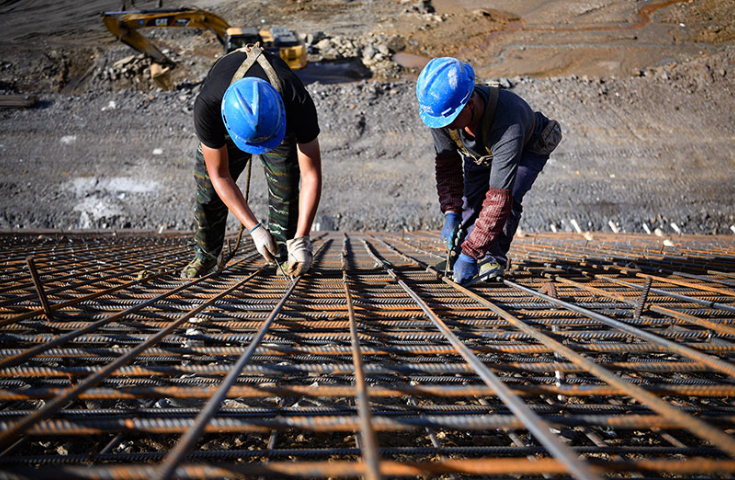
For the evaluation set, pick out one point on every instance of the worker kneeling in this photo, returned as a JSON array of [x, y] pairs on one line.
[[241, 112], [504, 145]]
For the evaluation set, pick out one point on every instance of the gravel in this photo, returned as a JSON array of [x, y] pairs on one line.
[[649, 150]]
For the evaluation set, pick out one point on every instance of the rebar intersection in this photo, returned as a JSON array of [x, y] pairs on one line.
[[609, 355]]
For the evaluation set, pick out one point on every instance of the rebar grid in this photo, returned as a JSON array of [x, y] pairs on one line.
[[603, 355]]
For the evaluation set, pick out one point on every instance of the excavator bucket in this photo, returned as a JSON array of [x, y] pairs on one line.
[[161, 76]]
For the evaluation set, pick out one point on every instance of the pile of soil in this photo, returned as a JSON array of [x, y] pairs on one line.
[[644, 91]]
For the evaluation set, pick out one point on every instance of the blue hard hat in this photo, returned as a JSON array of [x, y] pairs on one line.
[[254, 115], [444, 87]]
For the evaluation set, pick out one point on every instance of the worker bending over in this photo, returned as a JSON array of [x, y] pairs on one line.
[[504, 145], [251, 103]]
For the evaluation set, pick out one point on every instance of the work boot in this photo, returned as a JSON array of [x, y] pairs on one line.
[[490, 271], [198, 267]]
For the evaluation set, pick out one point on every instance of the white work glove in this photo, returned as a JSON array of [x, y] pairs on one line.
[[264, 242], [299, 255]]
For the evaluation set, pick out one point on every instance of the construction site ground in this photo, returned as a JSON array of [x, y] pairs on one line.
[[644, 91], [598, 356]]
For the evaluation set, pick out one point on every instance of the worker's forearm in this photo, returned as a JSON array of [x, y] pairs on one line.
[[311, 191], [310, 166], [232, 197]]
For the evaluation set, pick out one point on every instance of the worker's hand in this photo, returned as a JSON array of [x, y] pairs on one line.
[[451, 223], [264, 242], [300, 255], [465, 269]]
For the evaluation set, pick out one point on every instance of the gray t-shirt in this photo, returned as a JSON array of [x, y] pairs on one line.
[[513, 122]]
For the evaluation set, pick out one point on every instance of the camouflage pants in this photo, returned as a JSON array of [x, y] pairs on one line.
[[282, 174]]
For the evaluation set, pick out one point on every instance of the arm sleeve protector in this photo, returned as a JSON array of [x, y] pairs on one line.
[[495, 211], [449, 182]]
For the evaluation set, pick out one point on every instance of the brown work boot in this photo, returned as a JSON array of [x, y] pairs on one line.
[[198, 267]]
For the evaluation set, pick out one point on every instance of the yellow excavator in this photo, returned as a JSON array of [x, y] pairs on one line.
[[125, 24]]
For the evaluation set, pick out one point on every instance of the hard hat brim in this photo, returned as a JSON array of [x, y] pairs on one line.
[[440, 121], [264, 147]]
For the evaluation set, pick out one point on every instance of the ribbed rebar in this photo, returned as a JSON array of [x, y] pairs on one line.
[[597, 355]]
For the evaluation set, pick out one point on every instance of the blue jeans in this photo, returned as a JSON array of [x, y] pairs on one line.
[[476, 184]]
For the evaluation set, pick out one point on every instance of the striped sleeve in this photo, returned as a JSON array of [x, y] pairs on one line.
[[449, 181], [495, 211]]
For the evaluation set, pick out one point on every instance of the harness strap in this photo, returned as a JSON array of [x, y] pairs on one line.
[[455, 138], [487, 117], [530, 133], [255, 54]]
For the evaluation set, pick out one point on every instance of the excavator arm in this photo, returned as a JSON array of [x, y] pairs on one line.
[[124, 26]]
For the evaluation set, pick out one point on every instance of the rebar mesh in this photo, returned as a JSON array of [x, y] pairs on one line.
[[609, 355]]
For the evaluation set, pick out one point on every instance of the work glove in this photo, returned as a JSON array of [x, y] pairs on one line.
[[264, 242], [465, 269], [299, 255], [451, 223]]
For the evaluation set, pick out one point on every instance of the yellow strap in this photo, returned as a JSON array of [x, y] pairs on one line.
[[455, 136]]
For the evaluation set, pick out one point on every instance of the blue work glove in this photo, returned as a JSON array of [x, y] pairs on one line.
[[451, 222], [465, 269]]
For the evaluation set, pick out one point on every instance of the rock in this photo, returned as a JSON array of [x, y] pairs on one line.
[[124, 62], [315, 37], [324, 44], [424, 6], [369, 52]]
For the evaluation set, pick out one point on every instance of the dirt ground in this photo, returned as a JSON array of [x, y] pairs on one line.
[[643, 89]]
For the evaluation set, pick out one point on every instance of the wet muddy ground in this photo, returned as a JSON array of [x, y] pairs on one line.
[[644, 91]]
